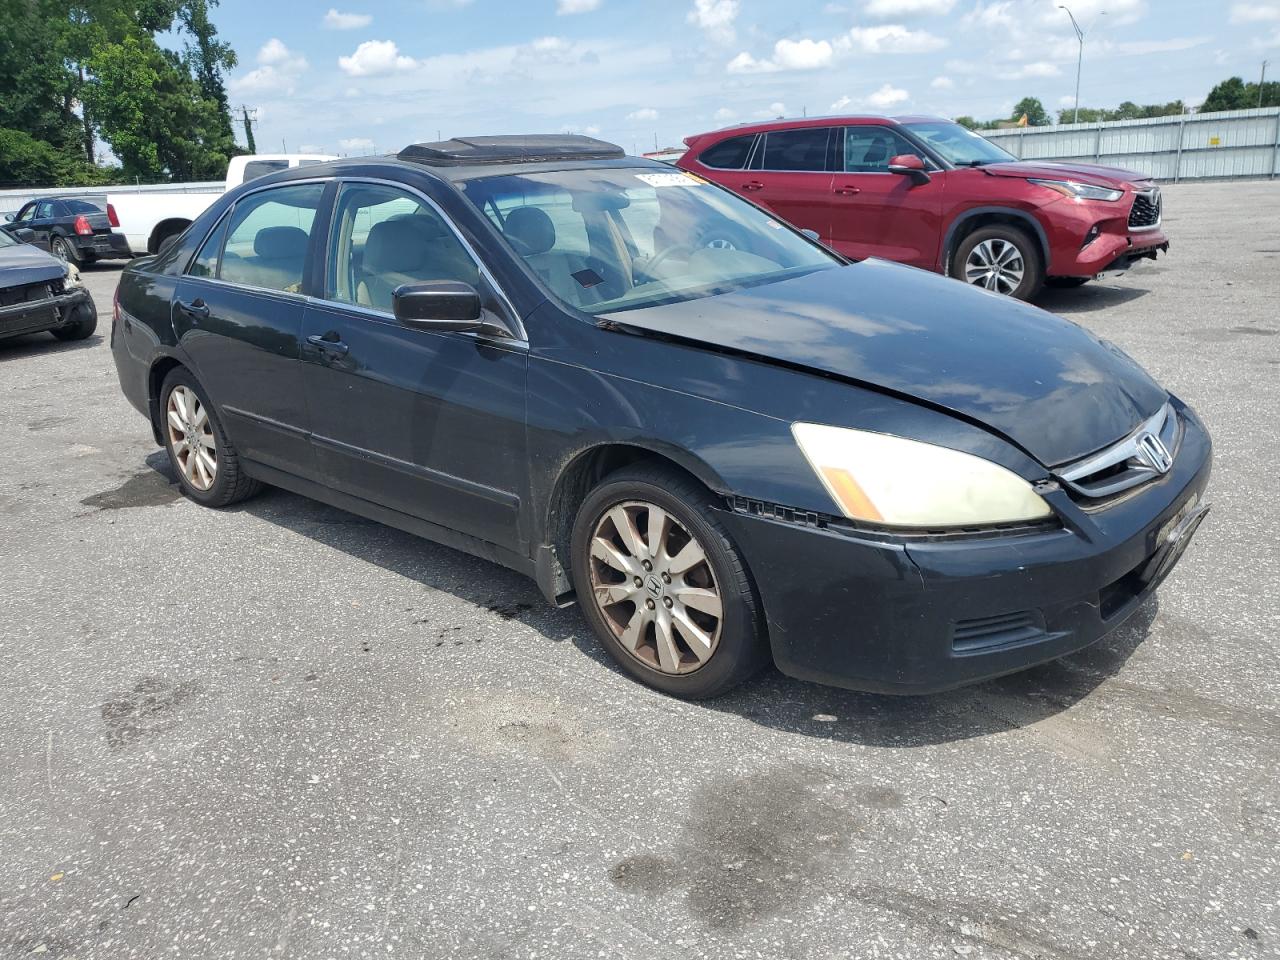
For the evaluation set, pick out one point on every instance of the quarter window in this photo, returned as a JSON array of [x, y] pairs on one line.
[[728, 154], [869, 149], [206, 262], [383, 238], [802, 150], [268, 237]]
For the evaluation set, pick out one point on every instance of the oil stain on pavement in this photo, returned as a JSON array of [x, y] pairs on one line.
[[149, 708], [755, 844]]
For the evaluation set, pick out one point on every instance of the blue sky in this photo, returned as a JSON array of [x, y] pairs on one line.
[[373, 75]]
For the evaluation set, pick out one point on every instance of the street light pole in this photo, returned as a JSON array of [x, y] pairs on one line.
[[1262, 82], [1080, 35]]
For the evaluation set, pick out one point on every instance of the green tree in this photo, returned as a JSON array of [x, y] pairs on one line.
[[1230, 94], [1037, 116], [967, 122], [38, 96], [26, 161], [208, 57]]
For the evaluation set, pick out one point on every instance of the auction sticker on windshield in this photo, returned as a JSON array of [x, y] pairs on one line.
[[671, 179]]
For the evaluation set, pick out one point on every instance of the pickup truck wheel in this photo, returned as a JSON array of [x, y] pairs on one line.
[[81, 327], [63, 250], [207, 464], [1002, 259], [663, 586]]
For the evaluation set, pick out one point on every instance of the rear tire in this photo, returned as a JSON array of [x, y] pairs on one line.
[[64, 250], [664, 588], [204, 459], [1000, 258]]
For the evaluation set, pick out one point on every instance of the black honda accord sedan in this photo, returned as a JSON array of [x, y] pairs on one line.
[[726, 442]]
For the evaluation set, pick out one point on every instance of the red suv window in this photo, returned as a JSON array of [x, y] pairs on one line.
[[731, 154], [805, 149]]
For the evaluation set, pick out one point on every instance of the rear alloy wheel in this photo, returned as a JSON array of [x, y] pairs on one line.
[[663, 586], [202, 455], [63, 250], [1001, 259]]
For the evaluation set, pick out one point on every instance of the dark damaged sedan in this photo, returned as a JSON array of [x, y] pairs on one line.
[[729, 444], [40, 292]]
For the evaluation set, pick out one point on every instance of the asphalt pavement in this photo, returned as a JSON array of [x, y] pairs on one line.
[[280, 730]]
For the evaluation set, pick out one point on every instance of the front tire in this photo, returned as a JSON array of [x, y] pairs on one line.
[[663, 586], [208, 467], [1000, 258], [82, 327]]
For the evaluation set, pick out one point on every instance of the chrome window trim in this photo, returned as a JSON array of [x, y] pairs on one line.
[[521, 336]]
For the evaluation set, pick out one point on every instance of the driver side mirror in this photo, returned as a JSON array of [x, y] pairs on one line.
[[9, 217], [438, 305], [24, 235], [909, 165]]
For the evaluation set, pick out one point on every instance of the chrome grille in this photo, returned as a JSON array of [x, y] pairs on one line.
[[1143, 455], [1147, 210]]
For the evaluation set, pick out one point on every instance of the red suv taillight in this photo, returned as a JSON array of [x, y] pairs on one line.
[[111, 215], [82, 226]]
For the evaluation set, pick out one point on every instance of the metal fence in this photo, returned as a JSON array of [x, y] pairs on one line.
[[12, 200], [1201, 146]]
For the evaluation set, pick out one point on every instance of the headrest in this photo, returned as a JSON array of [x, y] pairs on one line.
[[401, 244], [531, 229], [281, 243]]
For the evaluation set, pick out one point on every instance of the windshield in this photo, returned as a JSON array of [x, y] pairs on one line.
[[958, 144], [607, 239], [6, 240]]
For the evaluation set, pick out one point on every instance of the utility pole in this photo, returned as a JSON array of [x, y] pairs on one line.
[[1262, 82], [248, 127], [1080, 35]]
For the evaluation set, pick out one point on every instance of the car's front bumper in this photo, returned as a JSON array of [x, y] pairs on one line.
[[34, 316], [898, 615]]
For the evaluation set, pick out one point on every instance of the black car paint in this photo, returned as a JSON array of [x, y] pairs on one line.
[[486, 442], [23, 265], [60, 222]]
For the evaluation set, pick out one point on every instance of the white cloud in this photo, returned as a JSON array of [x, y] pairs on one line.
[[1254, 12], [942, 83], [715, 18], [772, 111], [567, 7], [1066, 100], [333, 20], [356, 143], [887, 96], [311, 148], [278, 71], [804, 54], [883, 9], [373, 58], [1037, 69], [724, 114], [892, 38], [840, 104], [644, 113]]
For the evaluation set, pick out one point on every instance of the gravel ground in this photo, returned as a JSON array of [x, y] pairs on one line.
[[283, 731]]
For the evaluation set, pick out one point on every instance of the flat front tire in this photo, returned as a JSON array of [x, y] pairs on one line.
[[203, 457], [1000, 258], [83, 322], [663, 586]]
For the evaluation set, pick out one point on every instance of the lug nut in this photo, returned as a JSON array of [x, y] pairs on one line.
[[639, 582], [650, 604], [666, 578], [646, 564], [667, 601]]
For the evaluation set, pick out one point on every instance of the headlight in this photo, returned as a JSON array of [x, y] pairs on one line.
[[876, 478], [72, 276], [1080, 191]]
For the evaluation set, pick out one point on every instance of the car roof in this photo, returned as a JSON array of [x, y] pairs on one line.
[[764, 126]]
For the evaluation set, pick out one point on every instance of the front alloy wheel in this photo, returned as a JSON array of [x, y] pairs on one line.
[[995, 264], [653, 586], [191, 437]]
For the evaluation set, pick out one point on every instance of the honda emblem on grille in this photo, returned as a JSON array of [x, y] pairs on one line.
[[1153, 453]]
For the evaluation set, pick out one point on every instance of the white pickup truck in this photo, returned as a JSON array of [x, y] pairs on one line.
[[148, 219]]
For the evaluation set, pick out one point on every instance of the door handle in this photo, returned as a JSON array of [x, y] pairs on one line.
[[753, 185], [328, 345], [847, 190], [196, 309]]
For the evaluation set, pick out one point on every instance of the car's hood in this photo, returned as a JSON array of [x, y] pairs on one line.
[[24, 264], [1052, 170], [1046, 384]]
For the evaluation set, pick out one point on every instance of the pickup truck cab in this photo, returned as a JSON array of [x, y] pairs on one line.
[[149, 219]]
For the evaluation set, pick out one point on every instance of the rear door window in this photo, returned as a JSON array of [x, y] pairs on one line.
[[268, 238], [802, 150]]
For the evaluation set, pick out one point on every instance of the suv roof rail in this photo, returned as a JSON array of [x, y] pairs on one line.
[[511, 149]]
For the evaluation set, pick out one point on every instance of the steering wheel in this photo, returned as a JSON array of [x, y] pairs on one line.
[[661, 257]]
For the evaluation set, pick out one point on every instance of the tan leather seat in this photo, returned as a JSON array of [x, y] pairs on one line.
[[410, 249], [279, 255], [534, 235]]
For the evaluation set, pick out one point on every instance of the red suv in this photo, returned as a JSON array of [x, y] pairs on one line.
[[930, 193]]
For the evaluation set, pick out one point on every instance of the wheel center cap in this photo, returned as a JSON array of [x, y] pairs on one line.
[[654, 586]]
